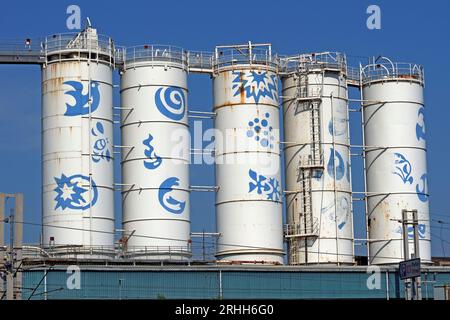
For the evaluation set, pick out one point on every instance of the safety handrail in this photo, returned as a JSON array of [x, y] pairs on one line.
[[82, 41], [309, 61], [308, 226], [200, 59], [247, 54], [155, 52], [391, 70]]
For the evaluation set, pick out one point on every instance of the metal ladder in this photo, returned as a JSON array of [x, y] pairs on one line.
[[316, 145], [314, 161], [305, 226], [306, 198]]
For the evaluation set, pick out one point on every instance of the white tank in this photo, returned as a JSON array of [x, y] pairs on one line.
[[249, 199], [395, 158], [155, 155], [319, 226], [77, 144]]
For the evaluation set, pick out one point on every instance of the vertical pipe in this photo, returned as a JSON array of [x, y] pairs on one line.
[[10, 273], [405, 235], [418, 279], [405, 248], [43, 67], [203, 244], [220, 285], [45, 284], [11, 238], [2, 232], [18, 230], [363, 151], [416, 234], [18, 240], [2, 217], [387, 284]]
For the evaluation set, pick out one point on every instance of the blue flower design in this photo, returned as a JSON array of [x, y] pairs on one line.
[[71, 193], [403, 168], [264, 185]]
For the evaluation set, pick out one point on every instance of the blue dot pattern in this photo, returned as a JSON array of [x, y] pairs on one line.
[[261, 130]]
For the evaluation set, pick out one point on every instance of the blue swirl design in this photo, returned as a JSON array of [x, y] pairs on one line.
[[100, 148], [340, 169], [340, 127], [342, 213], [348, 172], [154, 161], [81, 106], [255, 84], [167, 201], [420, 126], [403, 168], [171, 102], [421, 228], [71, 192], [422, 192]]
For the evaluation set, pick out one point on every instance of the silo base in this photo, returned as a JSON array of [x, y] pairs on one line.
[[80, 252], [272, 258], [179, 255]]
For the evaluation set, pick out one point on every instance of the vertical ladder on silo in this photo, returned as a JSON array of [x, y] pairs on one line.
[[306, 199], [314, 99], [306, 226], [314, 160], [316, 143]]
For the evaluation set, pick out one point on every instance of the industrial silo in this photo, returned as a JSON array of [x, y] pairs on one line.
[[319, 226], [77, 143], [247, 154], [395, 159], [155, 153]]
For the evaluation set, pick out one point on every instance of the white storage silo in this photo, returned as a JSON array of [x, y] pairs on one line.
[[77, 143], [155, 157], [247, 154], [395, 158], [319, 226]]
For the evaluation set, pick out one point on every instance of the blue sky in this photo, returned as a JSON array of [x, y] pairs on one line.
[[410, 31]]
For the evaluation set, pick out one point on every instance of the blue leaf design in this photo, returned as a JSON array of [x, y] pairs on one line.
[[100, 127]]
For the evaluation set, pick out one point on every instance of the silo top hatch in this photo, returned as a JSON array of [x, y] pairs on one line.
[[383, 69], [230, 57], [84, 45]]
